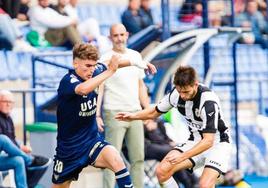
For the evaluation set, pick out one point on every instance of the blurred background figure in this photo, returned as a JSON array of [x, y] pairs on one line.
[[23, 11], [11, 36], [11, 7], [146, 13], [191, 12], [252, 18], [35, 165], [57, 29], [88, 29], [131, 17], [137, 16]]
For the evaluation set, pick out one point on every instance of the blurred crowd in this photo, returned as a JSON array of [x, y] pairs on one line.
[[24, 27], [250, 14], [28, 28], [59, 24]]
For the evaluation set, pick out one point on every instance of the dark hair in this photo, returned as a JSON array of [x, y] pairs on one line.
[[85, 51], [185, 76]]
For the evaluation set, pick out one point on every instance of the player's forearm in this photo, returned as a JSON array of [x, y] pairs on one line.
[[91, 84], [124, 63], [143, 96], [202, 146], [149, 113]]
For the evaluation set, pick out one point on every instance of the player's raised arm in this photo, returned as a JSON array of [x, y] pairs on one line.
[[149, 67], [86, 68]]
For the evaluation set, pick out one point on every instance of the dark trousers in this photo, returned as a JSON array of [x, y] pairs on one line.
[[59, 37]]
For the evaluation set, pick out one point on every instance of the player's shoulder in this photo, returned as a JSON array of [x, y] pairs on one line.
[[173, 96], [70, 77], [207, 94]]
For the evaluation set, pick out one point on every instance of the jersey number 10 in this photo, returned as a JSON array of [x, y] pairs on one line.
[[58, 166]]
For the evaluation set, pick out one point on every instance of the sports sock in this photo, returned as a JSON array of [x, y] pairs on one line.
[[170, 183], [123, 179]]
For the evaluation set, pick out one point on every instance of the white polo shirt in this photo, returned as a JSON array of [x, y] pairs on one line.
[[121, 91]]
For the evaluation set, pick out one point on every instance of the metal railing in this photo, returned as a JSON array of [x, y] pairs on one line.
[[23, 95]]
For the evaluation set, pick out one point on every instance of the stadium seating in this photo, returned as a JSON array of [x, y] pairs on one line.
[[251, 65]]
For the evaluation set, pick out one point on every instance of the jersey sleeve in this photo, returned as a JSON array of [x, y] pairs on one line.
[[68, 85], [210, 117], [141, 71], [100, 67], [169, 101]]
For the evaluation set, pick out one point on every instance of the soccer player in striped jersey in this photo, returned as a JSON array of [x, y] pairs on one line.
[[208, 145], [78, 141]]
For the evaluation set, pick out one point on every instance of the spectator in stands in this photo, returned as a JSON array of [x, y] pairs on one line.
[[252, 18], [125, 90], [146, 13], [158, 144], [11, 7], [16, 153], [133, 18], [14, 158], [215, 12], [7, 128], [239, 6], [6, 123], [262, 6], [89, 29], [11, 35], [57, 29], [191, 12], [23, 11]]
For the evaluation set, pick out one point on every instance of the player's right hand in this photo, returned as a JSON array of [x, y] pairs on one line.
[[113, 64], [124, 116]]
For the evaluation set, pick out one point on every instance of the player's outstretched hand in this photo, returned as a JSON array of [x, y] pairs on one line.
[[151, 68], [124, 116]]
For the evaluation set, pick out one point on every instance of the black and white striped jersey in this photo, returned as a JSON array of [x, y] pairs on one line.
[[202, 114]]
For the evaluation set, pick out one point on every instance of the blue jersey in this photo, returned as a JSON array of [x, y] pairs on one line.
[[76, 116]]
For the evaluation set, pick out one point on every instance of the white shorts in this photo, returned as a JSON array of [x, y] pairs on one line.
[[217, 157]]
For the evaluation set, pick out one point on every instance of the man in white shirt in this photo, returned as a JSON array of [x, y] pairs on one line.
[[56, 28], [126, 91]]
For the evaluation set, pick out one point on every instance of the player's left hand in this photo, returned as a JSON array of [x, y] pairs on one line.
[[174, 157]]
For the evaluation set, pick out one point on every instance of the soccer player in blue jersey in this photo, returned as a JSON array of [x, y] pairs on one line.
[[78, 140]]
